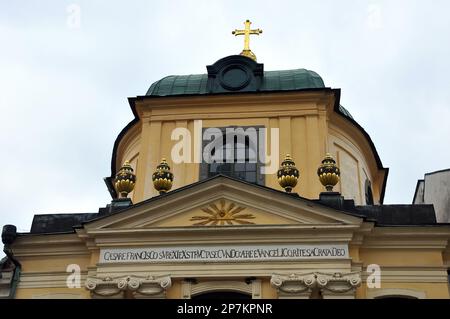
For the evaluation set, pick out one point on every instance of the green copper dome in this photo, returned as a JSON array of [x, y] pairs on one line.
[[287, 80]]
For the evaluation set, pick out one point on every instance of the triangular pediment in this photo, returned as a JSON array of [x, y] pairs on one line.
[[223, 201]]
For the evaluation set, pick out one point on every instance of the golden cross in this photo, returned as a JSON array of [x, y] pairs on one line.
[[246, 33]]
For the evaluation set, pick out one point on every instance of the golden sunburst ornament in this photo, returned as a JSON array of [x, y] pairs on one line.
[[225, 215]]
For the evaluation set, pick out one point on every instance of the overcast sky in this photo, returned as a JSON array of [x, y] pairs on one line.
[[65, 79]]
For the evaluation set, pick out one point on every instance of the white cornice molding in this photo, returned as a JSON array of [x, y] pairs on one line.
[[319, 97], [57, 279], [227, 234], [442, 231], [225, 269], [42, 239], [51, 249], [226, 107], [260, 115], [408, 237], [49, 244]]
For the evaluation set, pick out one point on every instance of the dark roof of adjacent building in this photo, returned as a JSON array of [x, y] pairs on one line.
[[382, 215], [55, 223], [398, 215]]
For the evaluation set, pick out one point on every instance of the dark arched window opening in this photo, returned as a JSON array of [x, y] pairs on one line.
[[222, 295], [396, 297], [239, 153], [369, 195]]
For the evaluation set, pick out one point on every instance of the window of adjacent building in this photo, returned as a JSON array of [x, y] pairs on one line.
[[234, 153]]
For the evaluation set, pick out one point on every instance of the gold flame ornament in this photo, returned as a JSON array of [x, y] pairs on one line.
[[288, 174], [329, 172], [162, 177], [125, 180]]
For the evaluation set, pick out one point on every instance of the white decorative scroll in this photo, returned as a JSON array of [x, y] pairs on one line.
[[221, 253], [304, 284], [137, 285]]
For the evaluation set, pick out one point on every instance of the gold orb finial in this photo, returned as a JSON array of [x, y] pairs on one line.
[[125, 180], [329, 173], [162, 177], [288, 174]]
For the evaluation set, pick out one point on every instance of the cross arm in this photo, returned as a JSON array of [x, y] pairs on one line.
[[257, 31], [238, 32]]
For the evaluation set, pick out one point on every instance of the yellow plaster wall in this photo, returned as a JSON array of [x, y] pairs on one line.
[[131, 147], [174, 292], [353, 251], [53, 263], [401, 257], [355, 164], [446, 258], [307, 131], [44, 265], [431, 290], [260, 218], [267, 291], [53, 293]]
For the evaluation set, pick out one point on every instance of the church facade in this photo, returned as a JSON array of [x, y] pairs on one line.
[[269, 188]]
